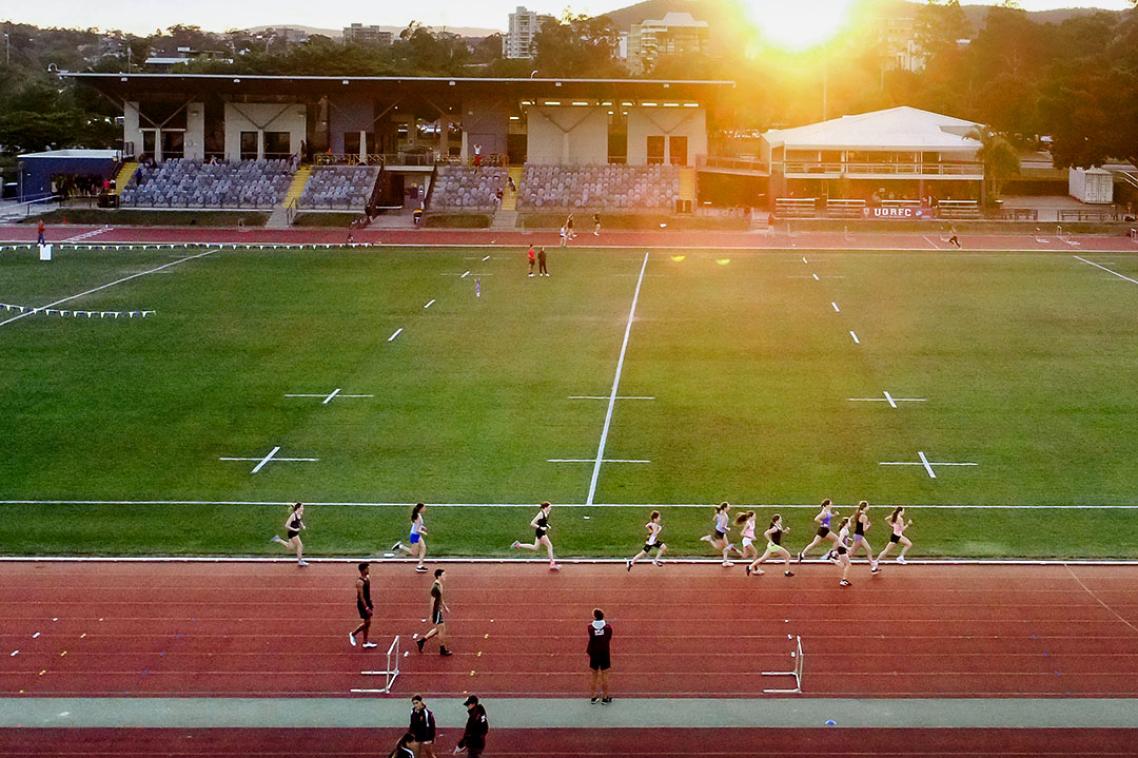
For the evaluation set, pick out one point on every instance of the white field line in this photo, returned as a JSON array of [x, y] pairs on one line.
[[331, 396], [1099, 600], [1089, 263], [465, 274], [485, 258], [835, 307], [109, 285], [889, 399], [429, 303], [925, 461], [395, 334], [575, 561], [639, 506], [590, 460], [615, 386], [605, 397], [853, 336], [804, 259], [815, 277]]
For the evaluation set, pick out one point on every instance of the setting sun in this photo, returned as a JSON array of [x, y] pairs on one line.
[[798, 24]]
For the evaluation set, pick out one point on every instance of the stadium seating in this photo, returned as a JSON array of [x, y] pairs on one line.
[[468, 188], [339, 187], [183, 183], [601, 187]]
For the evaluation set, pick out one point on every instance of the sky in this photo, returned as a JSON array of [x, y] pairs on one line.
[[143, 16]]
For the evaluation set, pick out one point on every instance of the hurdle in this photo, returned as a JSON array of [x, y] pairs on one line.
[[390, 673], [797, 661]]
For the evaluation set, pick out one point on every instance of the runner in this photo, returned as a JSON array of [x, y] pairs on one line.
[[422, 728], [418, 548], [774, 547], [823, 521], [541, 528], [718, 537], [651, 542], [843, 557], [747, 521], [293, 524], [363, 606], [899, 524], [861, 525], [438, 606]]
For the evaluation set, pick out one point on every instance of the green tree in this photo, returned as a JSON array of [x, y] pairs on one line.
[[1000, 159], [578, 46]]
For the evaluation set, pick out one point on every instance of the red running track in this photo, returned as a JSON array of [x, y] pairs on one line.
[[929, 240], [569, 743], [228, 629]]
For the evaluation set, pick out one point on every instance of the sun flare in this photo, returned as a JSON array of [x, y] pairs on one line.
[[798, 24]]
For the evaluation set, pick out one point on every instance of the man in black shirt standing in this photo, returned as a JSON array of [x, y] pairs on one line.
[[600, 638], [474, 737]]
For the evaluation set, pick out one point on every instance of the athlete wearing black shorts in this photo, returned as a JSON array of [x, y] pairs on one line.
[[364, 606], [600, 659], [438, 605]]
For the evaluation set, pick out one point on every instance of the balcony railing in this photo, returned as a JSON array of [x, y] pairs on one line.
[[881, 168], [731, 163]]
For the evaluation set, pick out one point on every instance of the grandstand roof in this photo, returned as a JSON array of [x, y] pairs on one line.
[[245, 84], [901, 128]]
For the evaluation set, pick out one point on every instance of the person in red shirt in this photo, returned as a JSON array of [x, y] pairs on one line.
[[532, 257], [41, 239], [600, 661]]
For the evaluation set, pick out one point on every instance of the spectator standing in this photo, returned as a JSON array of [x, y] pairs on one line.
[[474, 736], [531, 256], [41, 231], [541, 269], [422, 728], [600, 658], [596, 225], [477, 155]]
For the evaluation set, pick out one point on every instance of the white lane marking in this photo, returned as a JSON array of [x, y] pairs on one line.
[[606, 397], [395, 334], [889, 399], [932, 244], [853, 335], [1099, 600], [928, 465], [269, 457], [615, 385], [331, 395], [1096, 265], [109, 285], [88, 234], [429, 303], [925, 461], [835, 307], [642, 506]]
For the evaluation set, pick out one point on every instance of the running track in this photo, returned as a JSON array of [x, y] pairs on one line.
[[778, 239], [682, 631]]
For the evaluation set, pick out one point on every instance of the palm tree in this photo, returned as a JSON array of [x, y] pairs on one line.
[[1000, 159]]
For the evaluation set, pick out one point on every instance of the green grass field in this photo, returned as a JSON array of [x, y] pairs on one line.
[[1026, 364]]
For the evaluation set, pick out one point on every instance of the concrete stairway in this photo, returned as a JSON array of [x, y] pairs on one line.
[[279, 219], [126, 173], [504, 219]]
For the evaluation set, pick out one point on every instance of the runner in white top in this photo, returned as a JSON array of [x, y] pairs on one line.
[[417, 538], [651, 542], [843, 551], [718, 538], [747, 521]]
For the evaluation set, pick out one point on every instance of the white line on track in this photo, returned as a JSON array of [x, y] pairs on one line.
[[835, 307], [853, 336], [109, 285], [1089, 263], [642, 506], [932, 244], [395, 334], [429, 303], [575, 561], [615, 386], [1099, 600]]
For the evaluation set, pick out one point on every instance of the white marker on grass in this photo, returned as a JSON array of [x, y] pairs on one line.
[[395, 334], [853, 336]]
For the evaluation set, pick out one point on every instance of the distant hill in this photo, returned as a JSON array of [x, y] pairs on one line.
[[472, 32]]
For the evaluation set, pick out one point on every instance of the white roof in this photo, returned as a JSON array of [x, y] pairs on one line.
[[901, 128], [75, 153], [675, 19]]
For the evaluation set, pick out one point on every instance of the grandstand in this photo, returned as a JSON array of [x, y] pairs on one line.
[[644, 188], [186, 183], [467, 188], [339, 188]]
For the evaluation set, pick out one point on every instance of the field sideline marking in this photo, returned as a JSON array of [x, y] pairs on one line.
[[1089, 263], [326, 398], [645, 506], [888, 399], [590, 460], [615, 385], [109, 285]]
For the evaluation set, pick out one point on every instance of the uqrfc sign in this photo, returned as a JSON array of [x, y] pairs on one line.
[[895, 213]]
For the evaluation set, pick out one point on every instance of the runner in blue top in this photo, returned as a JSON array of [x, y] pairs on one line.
[[418, 548], [824, 532]]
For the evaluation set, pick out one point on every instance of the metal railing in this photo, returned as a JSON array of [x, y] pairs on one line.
[[376, 159], [731, 163], [890, 169]]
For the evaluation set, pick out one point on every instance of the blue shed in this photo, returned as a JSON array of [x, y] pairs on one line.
[[39, 170]]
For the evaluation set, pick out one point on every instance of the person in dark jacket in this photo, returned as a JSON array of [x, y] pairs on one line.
[[600, 661], [474, 737], [422, 726]]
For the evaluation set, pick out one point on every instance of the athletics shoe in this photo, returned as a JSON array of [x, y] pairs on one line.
[[594, 701], [397, 546], [555, 567], [444, 652], [844, 583], [628, 565], [516, 545], [419, 644], [606, 701], [788, 573], [728, 564], [368, 645], [420, 569], [801, 555], [277, 538], [657, 562], [352, 639], [302, 563], [874, 568], [901, 560]]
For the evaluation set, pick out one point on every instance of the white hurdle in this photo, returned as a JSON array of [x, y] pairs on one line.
[[798, 660], [389, 674]]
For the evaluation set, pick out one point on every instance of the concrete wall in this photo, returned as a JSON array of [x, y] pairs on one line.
[[195, 131], [486, 124], [130, 131], [261, 118], [349, 116], [567, 135], [666, 122]]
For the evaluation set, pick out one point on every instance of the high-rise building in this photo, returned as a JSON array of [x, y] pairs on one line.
[[366, 35], [675, 34], [524, 26]]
